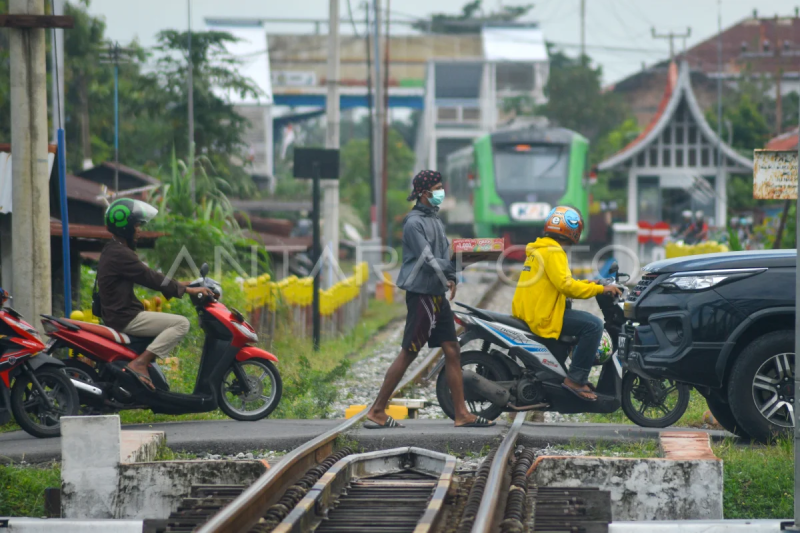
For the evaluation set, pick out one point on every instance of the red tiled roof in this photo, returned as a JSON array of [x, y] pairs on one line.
[[672, 80], [784, 141]]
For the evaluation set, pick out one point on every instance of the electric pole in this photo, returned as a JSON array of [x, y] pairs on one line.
[[583, 29], [384, 224], [377, 129], [30, 219], [672, 36], [57, 59], [332, 116], [190, 103], [116, 55]]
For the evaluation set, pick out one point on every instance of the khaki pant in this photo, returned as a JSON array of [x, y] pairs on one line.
[[168, 330]]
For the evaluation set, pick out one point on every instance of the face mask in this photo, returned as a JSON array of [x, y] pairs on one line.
[[438, 197]]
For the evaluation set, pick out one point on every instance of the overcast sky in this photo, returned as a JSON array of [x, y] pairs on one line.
[[622, 24]]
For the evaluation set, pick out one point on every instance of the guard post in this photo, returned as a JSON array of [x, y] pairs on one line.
[[775, 178], [316, 164]]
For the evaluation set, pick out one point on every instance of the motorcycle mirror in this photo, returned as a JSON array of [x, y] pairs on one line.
[[204, 270], [614, 268]]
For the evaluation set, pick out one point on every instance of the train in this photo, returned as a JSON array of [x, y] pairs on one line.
[[505, 183]]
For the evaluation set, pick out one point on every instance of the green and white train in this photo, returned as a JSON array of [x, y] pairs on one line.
[[506, 183]]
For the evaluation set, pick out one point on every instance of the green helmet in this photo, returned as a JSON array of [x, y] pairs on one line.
[[123, 215]]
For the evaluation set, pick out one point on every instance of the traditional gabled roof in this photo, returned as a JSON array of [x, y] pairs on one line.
[[784, 141], [679, 89]]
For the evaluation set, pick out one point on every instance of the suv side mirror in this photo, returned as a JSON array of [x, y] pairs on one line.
[[204, 270]]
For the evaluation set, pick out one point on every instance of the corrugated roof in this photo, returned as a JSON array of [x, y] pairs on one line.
[[84, 190], [784, 141]]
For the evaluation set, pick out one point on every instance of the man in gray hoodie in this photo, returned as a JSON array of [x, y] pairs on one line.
[[426, 275]]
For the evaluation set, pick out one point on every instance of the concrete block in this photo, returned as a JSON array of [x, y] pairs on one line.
[[140, 446], [90, 453], [154, 490], [641, 489]]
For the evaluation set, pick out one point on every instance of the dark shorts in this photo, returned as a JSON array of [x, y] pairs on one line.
[[430, 320]]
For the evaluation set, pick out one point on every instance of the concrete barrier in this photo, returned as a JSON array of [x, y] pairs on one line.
[[686, 485], [108, 473]]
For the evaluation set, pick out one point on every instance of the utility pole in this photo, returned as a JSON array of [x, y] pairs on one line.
[[190, 103], [583, 29], [116, 55], [377, 129], [371, 128], [386, 117], [672, 36], [332, 116], [30, 217], [57, 60]]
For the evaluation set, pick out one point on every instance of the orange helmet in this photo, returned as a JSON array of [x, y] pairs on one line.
[[564, 221]]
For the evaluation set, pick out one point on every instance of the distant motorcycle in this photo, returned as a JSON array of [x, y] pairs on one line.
[[32, 384], [529, 374]]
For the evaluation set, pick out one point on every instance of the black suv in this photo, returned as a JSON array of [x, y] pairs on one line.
[[723, 323]]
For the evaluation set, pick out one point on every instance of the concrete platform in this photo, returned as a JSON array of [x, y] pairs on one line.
[[229, 436]]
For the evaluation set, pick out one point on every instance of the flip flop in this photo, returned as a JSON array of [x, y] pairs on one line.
[[480, 422], [390, 423], [580, 393], [141, 378]]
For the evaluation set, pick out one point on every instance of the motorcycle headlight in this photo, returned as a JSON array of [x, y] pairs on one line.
[[246, 332], [697, 281]]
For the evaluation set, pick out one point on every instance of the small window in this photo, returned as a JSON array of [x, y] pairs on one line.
[[679, 135], [665, 157], [692, 134], [640, 159], [692, 157], [679, 158], [704, 157], [653, 157], [667, 137]]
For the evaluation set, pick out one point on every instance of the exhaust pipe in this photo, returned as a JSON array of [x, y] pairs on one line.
[[488, 389], [85, 387]]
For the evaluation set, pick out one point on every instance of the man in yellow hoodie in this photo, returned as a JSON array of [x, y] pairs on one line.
[[542, 291]]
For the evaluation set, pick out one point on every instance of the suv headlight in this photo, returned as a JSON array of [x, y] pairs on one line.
[[697, 281]]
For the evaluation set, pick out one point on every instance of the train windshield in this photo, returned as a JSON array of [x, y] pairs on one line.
[[522, 167]]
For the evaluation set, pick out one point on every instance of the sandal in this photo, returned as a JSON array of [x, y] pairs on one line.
[[390, 423], [580, 393], [479, 422], [141, 378]]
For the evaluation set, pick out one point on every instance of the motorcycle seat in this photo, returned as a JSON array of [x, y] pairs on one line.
[[514, 322], [108, 333]]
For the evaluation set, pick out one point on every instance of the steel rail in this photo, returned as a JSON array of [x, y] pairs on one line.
[[485, 518], [250, 506]]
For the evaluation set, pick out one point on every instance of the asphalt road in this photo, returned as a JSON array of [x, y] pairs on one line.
[[230, 437]]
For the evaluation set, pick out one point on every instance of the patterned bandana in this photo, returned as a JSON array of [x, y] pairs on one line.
[[423, 182]]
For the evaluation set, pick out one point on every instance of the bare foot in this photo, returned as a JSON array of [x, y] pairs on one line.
[[584, 390]]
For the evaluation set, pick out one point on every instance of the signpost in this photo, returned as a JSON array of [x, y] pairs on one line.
[[775, 178], [316, 164]]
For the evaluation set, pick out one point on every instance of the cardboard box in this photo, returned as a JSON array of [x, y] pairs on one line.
[[477, 250]]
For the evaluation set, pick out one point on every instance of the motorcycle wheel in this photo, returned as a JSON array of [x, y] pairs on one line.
[[266, 389], [644, 410], [30, 410], [483, 364]]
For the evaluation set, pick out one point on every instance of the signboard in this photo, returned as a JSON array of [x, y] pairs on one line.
[[775, 175], [294, 78], [316, 162], [529, 211]]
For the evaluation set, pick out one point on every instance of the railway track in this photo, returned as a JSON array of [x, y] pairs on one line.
[[401, 490]]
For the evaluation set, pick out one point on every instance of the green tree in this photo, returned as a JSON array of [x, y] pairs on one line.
[[471, 19], [749, 127], [577, 101], [354, 182], [609, 186]]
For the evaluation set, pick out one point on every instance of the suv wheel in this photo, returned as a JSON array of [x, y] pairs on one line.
[[761, 386], [721, 411]]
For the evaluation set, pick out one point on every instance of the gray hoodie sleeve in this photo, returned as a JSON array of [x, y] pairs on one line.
[[414, 238]]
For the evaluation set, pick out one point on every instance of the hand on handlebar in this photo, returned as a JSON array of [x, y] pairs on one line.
[[202, 292], [612, 290]]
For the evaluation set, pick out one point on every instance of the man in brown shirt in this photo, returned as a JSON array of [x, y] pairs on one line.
[[119, 270]]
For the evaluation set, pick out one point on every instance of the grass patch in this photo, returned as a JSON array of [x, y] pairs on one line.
[[22, 488], [641, 449], [759, 480]]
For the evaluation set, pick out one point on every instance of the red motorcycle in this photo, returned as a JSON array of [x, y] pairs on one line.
[[41, 393], [240, 379]]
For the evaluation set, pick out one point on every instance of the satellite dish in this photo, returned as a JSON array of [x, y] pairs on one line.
[[352, 233]]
